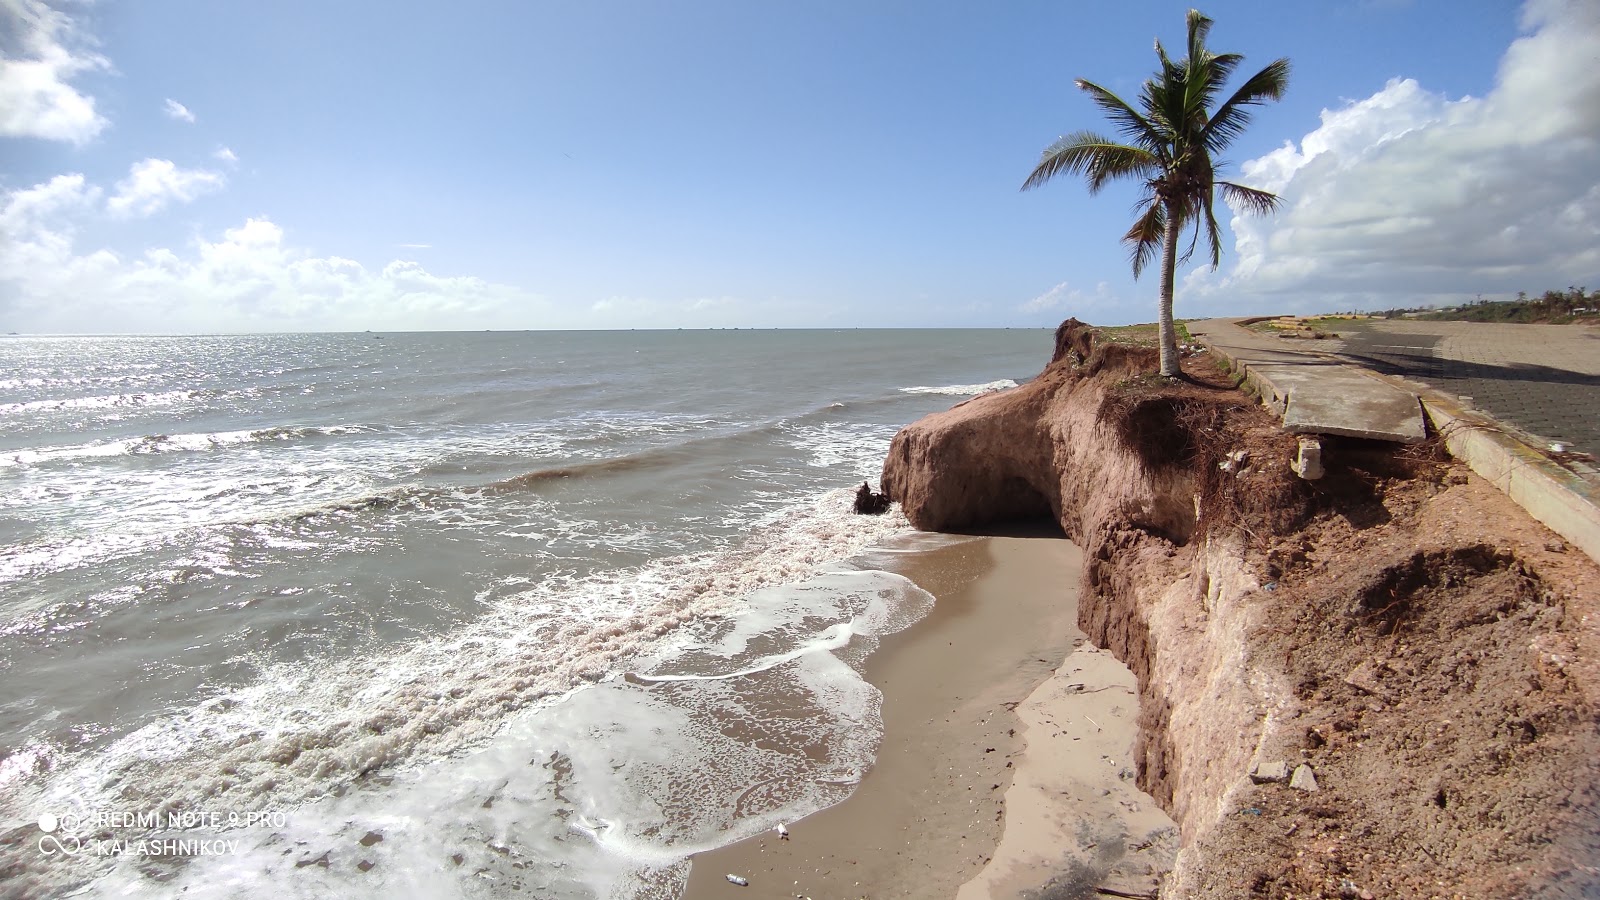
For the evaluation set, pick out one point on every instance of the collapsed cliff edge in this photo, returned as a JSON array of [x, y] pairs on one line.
[[1426, 650]]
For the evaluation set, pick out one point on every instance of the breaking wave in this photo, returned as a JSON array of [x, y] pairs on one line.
[[702, 623], [175, 443], [963, 390]]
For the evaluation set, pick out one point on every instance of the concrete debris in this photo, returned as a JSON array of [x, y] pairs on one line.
[[1235, 461], [1275, 772], [1303, 778], [1308, 461]]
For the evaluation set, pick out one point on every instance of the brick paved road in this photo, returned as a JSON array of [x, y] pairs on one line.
[[1543, 379]]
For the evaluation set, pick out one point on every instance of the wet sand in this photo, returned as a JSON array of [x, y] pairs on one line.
[[998, 719]]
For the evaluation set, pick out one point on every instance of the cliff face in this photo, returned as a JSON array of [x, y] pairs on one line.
[[1352, 623], [1022, 452]]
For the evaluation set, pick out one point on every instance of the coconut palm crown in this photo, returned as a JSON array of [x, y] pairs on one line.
[[1169, 143]]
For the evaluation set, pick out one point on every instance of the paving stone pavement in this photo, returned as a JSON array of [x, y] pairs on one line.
[[1543, 379]]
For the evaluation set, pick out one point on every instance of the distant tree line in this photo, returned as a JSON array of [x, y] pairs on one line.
[[1554, 308]]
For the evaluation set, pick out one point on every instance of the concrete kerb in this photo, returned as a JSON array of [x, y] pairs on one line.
[[1563, 501]]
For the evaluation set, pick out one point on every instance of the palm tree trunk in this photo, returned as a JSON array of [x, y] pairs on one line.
[[1169, 263]]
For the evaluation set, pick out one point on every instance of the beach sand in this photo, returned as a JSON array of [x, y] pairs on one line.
[[998, 719]]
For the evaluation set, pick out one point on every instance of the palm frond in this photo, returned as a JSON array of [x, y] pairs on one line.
[[1100, 158], [1167, 65], [1155, 96], [1248, 199], [1208, 80], [1234, 114], [1199, 27], [1128, 121], [1188, 213], [1144, 238], [1213, 233]]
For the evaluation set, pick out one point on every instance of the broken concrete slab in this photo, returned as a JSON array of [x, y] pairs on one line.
[[1340, 400], [1316, 394]]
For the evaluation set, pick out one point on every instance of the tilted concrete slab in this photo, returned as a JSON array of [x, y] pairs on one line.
[[1344, 402], [1314, 393]]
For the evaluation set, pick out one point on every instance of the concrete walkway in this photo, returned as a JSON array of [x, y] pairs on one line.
[[1313, 392], [1543, 379], [1323, 387]]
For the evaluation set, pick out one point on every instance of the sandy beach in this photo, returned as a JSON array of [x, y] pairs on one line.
[[1005, 763]]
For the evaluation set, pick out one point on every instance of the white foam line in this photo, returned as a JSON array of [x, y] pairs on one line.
[[166, 443], [437, 699], [106, 401], [832, 638], [963, 389]]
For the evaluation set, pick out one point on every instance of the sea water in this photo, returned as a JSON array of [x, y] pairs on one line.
[[433, 615]]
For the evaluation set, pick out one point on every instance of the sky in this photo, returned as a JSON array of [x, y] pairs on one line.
[[175, 167]]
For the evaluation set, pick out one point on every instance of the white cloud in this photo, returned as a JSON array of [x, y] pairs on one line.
[[32, 209], [40, 52], [36, 240], [1066, 300], [226, 155], [1408, 196], [248, 279], [176, 110], [153, 183]]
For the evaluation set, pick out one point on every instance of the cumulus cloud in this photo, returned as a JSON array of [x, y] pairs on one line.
[[153, 183], [40, 53], [1409, 196], [37, 234], [226, 155], [176, 110], [36, 223], [248, 279]]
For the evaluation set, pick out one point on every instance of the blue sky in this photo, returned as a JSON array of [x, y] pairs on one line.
[[394, 165]]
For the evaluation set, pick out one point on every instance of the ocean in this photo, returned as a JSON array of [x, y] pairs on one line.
[[445, 615]]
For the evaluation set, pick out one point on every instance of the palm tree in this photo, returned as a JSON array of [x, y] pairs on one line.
[[1169, 144]]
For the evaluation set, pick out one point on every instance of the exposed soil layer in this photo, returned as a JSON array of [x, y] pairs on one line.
[[1426, 648]]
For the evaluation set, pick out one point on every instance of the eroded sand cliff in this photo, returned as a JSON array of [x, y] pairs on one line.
[[1399, 627]]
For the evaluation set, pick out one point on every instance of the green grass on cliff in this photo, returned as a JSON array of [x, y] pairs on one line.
[[1146, 335]]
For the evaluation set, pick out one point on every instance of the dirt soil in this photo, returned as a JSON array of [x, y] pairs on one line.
[[1427, 649], [1442, 651], [1441, 648]]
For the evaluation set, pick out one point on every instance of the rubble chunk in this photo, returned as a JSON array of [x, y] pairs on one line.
[[1303, 779], [1275, 772]]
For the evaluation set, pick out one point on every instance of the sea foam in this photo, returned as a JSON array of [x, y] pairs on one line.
[[964, 390], [762, 619]]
